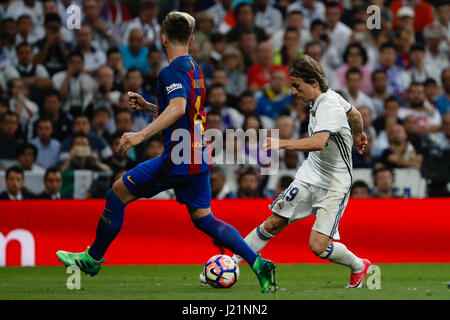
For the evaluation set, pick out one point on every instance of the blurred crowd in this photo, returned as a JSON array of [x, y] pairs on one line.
[[63, 102]]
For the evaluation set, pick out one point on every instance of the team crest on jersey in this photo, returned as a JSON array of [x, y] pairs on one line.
[[173, 86], [280, 205]]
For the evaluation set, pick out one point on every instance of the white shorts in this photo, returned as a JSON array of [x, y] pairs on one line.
[[302, 199]]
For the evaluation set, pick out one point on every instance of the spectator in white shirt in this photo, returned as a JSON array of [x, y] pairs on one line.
[[219, 11], [103, 36], [339, 34], [436, 58], [75, 86], [311, 10], [32, 8], [418, 71], [94, 57], [26, 156], [147, 22], [315, 51], [294, 19], [353, 92], [20, 104], [429, 118], [267, 17]]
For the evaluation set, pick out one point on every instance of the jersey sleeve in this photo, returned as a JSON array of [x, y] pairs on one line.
[[173, 83], [330, 117]]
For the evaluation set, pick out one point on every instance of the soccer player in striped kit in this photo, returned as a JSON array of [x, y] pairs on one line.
[[322, 183]]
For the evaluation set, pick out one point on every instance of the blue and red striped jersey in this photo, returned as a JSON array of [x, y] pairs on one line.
[[186, 151]]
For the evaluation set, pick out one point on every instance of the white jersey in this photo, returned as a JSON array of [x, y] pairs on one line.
[[331, 167]]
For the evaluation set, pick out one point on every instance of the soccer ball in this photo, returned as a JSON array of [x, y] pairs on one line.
[[221, 271]]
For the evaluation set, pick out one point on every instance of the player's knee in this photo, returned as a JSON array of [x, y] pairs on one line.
[[121, 191]]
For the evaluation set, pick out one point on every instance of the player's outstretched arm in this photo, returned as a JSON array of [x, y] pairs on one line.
[[315, 143], [174, 111], [138, 103], [356, 123]]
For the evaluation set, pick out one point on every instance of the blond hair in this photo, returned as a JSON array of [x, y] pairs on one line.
[[308, 69], [178, 27]]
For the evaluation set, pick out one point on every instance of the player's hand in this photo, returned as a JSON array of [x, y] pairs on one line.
[[136, 102], [360, 142], [271, 144], [128, 140]]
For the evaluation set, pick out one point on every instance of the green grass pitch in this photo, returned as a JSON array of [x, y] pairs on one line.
[[298, 281]]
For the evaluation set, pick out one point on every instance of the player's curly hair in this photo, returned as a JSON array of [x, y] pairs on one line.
[[308, 69]]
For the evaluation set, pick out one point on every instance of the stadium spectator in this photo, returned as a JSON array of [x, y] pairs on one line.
[[61, 120], [290, 48], [147, 23], [233, 65], [26, 157], [442, 16], [248, 45], [360, 190], [245, 20], [218, 46], [74, 85], [443, 101], [104, 95], [388, 56], [32, 8], [20, 104], [247, 105], [60, 8], [219, 187], [248, 184], [10, 138], [339, 33], [26, 31], [8, 37], [428, 117], [219, 11], [311, 10], [389, 115], [114, 61], [355, 56], [48, 148], [418, 71], [231, 118], [53, 183], [267, 17], [202, 36], [383, 180], [432, 91], [353, 93], [294, 20], [410, 123], [103, 35], [15, 190], [100, 120], [423, 12], [258, 75], [93, 57], [35, 76], [135, 54], [275, 97], [116, 15], [52, 50], [291, 160], [123, 120], [379, 95], [82, 157], [81, 125], [436, 56], [401, 152]]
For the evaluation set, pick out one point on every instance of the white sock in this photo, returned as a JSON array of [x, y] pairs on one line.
[[338, 253], [257, 240]]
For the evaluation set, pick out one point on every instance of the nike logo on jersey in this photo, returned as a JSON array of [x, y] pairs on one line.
[[173, 86], [129, 179]]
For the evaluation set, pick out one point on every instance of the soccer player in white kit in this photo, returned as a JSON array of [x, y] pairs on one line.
[[322, 183]]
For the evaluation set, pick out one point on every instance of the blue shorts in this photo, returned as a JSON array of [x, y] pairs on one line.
[[150, 177]]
